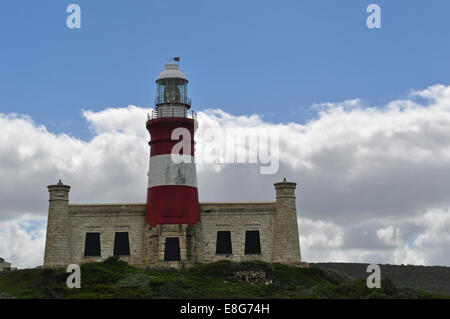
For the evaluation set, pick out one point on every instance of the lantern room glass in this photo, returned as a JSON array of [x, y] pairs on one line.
[[172, 91]]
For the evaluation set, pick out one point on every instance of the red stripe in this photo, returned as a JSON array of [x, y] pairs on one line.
[[172, 204], [161, 134]]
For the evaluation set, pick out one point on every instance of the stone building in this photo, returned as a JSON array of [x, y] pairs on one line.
[[5, 266], [172, 228]]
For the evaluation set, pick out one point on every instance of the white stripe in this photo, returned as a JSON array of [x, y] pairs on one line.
[[164, 171]]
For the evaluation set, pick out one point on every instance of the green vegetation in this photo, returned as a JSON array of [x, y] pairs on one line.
[[117, 279]]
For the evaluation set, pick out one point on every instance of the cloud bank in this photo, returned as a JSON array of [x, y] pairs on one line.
[[373, 181]]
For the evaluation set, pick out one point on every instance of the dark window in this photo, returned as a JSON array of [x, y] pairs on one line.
[[223, 243], [172, 249], [92, 244], [121, 244], [252, 242]]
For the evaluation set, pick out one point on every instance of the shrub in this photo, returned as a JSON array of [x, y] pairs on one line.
[[388, 286]]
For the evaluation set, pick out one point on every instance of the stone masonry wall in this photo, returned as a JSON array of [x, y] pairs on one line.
[[275, 221], [107, 219], [200, 241], [237, 218]]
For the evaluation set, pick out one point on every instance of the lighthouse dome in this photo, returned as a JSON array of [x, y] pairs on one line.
[[171, 71]]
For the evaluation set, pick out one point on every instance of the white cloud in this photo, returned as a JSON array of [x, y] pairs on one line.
[[433, 243], [22, 241], [389, 235], [372, 181], [317, 234]]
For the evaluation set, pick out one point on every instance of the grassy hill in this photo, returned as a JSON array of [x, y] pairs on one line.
[[430, 278], [117, 279]]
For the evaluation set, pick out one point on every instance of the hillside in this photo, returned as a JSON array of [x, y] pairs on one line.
[[435, 279], [116, 279]]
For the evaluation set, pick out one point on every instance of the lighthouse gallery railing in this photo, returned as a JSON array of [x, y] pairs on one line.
[[160, 113]]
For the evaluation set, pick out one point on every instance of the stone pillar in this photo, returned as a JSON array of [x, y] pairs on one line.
[[151, 246], [194, 244], [286, 248], [58, 250]]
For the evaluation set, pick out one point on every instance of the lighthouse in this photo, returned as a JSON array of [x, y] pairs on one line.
[[172, 229], [172, 195]]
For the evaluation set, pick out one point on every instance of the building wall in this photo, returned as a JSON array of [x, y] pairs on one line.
[[107, 219], [276, 222], [5, 266], [237, 218]]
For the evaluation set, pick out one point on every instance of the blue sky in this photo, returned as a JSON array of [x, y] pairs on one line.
[[274, 58], [358, 168]]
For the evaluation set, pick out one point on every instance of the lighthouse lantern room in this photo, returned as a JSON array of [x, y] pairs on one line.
[[171, 98]]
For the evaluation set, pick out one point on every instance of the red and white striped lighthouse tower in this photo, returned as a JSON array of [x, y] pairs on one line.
[[172, 196]]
